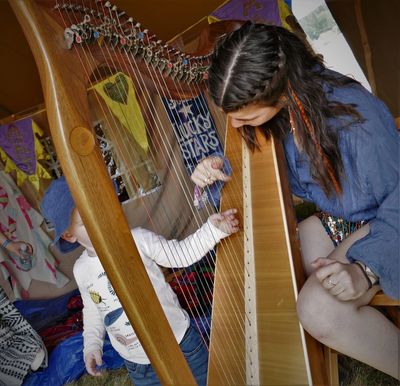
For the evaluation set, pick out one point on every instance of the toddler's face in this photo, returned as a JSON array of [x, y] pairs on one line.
[[77, 228]]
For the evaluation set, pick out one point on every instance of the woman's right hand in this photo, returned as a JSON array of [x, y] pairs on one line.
[[208, 171]]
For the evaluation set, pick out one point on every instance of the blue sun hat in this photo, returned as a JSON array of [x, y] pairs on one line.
[[56, 206]]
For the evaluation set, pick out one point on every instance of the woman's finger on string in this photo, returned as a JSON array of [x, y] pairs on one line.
[[197, 180], [205, 172], [220, 175], [216, 162], [204, 168]]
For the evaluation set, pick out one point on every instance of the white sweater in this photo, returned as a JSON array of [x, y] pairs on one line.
[[102, 310]]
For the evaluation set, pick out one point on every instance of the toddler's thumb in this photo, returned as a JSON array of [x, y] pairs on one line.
[[97, 357]]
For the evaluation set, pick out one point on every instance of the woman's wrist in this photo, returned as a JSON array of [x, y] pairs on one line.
[[369, 275]]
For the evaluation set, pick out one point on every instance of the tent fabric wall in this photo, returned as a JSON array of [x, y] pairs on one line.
[[380, 22]]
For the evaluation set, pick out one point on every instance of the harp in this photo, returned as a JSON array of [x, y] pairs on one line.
[[283, 351]]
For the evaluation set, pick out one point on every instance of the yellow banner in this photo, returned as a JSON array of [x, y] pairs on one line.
[[284, 12], [119, 94]]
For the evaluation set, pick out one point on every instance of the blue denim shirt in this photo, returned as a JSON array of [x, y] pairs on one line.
[[370, 153]]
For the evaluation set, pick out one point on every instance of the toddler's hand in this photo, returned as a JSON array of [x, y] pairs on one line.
[[91, 360], [225, 221]]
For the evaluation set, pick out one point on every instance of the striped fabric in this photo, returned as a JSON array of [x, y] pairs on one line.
[[19, 344]]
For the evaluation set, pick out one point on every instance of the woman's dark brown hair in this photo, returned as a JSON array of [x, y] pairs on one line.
[[264, 64]]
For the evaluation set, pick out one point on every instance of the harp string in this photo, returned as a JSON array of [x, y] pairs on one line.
[[176, 84], [120, 143], [168, 151], [120, 66], [158, 92]]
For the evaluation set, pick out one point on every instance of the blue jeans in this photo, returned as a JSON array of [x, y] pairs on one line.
[[193, 349]]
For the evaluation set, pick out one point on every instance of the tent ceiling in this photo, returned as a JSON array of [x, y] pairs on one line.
[[19, 79], [21, 90]]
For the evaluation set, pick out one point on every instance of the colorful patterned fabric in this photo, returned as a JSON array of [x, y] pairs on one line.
[[194, 286], [337, 228], [72, 325], [19, 344], [19, 221]]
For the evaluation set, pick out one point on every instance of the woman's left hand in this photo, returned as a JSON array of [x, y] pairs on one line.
[[208, 171], [343, 280]]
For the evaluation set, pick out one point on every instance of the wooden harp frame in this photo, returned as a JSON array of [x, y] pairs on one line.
[[91, 187], [68, 113]]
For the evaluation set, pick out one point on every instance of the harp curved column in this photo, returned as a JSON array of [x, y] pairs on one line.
[[65, 98]]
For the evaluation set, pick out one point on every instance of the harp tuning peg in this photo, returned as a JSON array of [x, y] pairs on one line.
[[68, 38]]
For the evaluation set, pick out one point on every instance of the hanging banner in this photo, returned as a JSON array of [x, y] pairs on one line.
[[119, 94], [20, 150], [194, 129], [196, 134], [16, 139], [260, 11]]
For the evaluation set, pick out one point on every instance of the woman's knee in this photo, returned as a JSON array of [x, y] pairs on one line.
[[318, 311]]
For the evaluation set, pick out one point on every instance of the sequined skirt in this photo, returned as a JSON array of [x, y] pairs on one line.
[[337, 228]]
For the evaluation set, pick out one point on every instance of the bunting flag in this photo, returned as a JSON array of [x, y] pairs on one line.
[[196, 134], [20, 150], [260, 11], [118, 93], [289, 3], [285, 11]]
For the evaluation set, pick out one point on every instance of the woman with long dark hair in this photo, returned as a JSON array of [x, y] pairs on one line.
[[342, 152]]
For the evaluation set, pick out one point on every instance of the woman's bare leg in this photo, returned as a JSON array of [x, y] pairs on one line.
[[309, 230], [352, 328]]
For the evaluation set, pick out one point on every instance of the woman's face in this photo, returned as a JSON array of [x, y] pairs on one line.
[[254, 114]]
